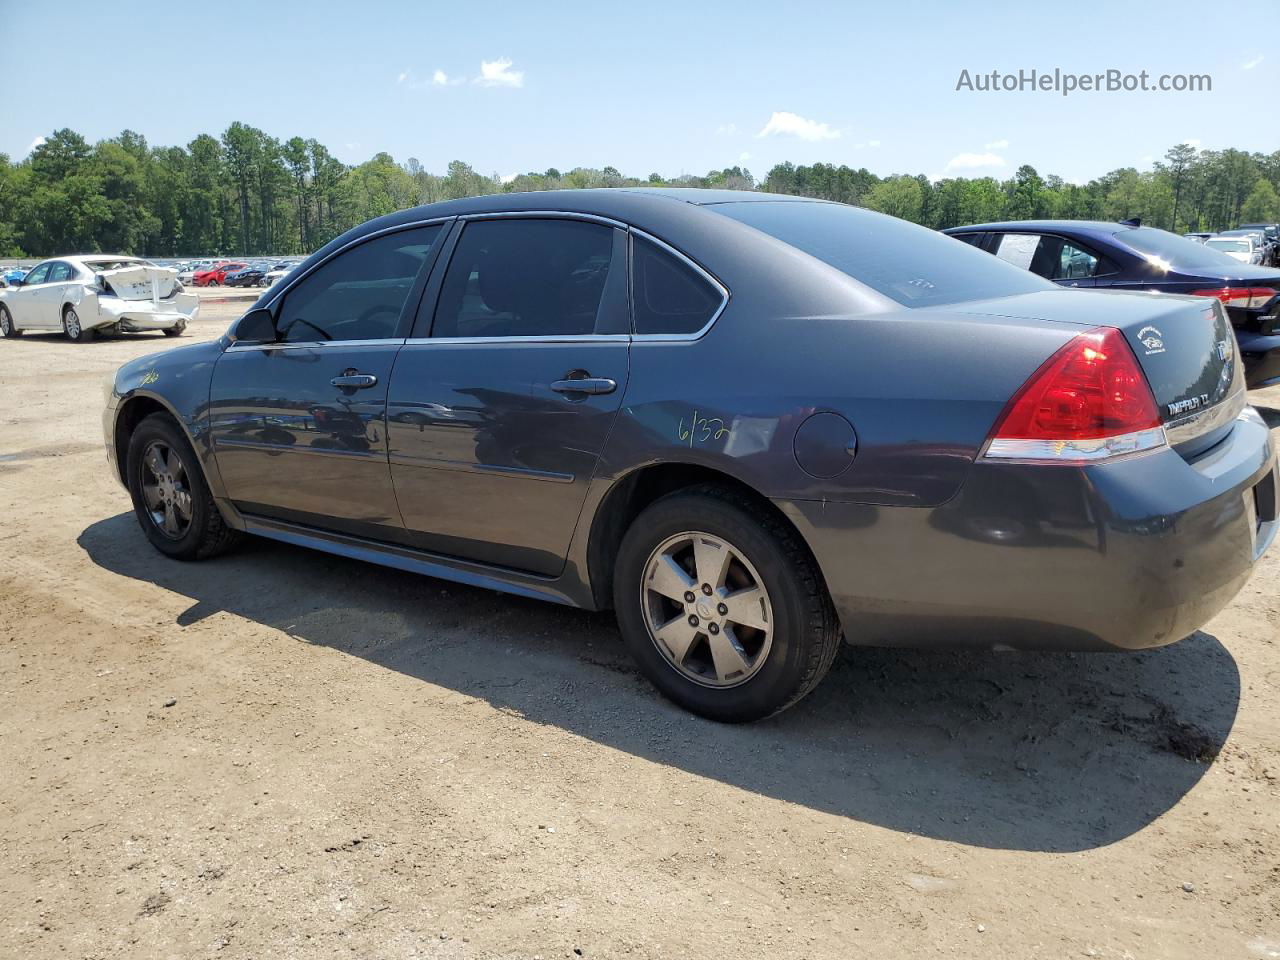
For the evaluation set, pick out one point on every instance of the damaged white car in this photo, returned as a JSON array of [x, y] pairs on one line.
[[84, 295]]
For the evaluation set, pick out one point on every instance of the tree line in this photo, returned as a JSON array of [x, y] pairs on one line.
[[249, 193]]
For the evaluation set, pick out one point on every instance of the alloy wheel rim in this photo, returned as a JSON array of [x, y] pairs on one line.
[[4, 322], [707, 610], [73, 323], [166, 490]]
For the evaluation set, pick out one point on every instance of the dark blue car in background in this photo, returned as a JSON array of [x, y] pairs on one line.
[[1129, 256]]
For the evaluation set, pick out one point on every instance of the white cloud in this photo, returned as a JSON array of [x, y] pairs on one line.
[[726, 129], [37, 142], [440, 78], [498, 73], [971, 161], [1250, 64], [789, 124], [404, 76], [873, 143], [743, 157], [995, 145], [508, 177]]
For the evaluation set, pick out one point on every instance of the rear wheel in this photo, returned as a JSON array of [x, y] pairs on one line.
[[176, 329], [722, 605], [7, 329], [170, 497], [71, 326]]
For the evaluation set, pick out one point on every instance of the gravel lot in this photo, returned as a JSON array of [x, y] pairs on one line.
[[284, 754]]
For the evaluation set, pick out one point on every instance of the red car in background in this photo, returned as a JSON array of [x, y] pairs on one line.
[[216, 275]]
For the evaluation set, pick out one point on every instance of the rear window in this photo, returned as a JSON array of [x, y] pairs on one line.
[[1170, 250], [912, 265]]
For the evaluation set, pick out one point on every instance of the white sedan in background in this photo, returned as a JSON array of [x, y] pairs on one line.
[[1238, 248], [84, 295]]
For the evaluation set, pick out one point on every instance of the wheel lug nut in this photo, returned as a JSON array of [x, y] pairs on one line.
[[689, 597], [713, 628], [706, 588], [722, 609], [693, 621]]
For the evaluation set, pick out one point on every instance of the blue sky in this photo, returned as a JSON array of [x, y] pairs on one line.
[[649, 87]]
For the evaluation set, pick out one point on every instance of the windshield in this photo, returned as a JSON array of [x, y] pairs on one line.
[[1169, 251], [913, 265], [1229, 246]]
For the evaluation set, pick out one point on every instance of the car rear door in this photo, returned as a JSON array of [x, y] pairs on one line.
[[502, 400], [299, 425]]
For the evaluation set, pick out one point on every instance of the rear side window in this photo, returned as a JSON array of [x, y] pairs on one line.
[[910, 264], [1049, 256], [358, 295], [60, 272], [525, 278], [668, 296]]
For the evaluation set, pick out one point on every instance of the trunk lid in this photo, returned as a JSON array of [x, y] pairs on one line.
[[1185, 346], [141, 282]]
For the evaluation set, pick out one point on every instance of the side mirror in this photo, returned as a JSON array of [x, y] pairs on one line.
[[256, 326]]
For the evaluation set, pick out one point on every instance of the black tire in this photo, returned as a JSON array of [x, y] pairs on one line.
[[206, 534], [806, 632], [175, 330], [73, 329], [7, 329]]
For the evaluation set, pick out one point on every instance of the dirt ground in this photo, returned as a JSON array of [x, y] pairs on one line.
[[285, 754]]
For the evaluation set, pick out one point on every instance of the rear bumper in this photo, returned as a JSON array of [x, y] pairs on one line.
[[147, 314], [1123, 556]]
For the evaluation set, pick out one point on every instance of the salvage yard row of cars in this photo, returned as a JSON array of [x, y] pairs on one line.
[[1257, 243], [752, 425]]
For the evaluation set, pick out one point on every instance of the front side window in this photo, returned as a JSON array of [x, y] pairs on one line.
[[525, 278], [359, 294], [39, 274], [668, 296]]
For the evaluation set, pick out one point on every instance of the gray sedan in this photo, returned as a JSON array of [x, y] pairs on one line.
[[752, 425]]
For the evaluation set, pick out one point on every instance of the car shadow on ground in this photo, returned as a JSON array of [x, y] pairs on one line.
[[1270, 414], [1005, 750]]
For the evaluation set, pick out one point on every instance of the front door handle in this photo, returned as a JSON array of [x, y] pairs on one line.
[[354, 381], [589, 385]]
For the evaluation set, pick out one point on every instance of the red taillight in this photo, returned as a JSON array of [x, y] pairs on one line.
[[1089, 401], [1247, 297]]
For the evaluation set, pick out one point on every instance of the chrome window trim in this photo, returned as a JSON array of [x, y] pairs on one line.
[[473, 341], [697, 268], [544, 215], [314, 344], [275, 295]]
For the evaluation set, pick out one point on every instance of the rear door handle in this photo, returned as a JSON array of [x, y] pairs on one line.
[[590, 385], [354, 381]]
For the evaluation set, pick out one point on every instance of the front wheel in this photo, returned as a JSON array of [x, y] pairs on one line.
[[170, 497], [75, 331], [7, 329], [723, 606]]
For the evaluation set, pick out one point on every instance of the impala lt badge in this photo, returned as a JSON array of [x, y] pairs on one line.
[[1188, 405]]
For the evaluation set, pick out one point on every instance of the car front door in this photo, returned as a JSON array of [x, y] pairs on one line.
[[299, 425], [25, 302], [502, 400]]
